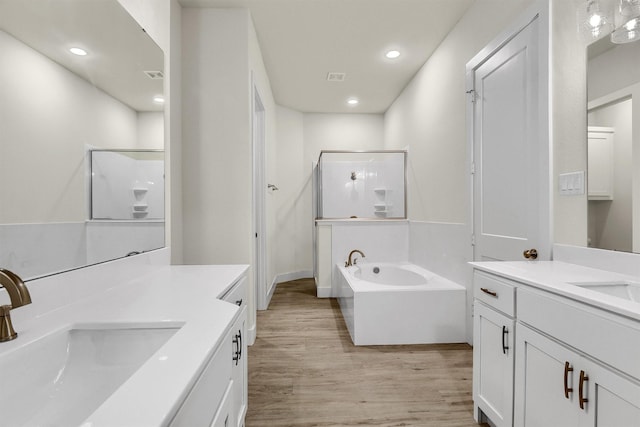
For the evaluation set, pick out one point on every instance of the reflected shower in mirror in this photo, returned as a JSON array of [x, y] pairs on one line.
[[613, 88], [55, 108]]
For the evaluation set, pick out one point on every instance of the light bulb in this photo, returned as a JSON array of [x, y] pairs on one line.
[[78, 51], [392, 54]]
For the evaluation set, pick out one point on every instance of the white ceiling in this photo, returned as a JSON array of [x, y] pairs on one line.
[[303, 40]]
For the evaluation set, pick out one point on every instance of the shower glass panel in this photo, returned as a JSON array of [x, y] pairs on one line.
[[368, 184]]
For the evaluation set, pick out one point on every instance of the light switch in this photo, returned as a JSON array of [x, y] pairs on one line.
[[571, 184]]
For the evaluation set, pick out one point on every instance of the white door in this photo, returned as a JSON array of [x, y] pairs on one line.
[[510, 149]]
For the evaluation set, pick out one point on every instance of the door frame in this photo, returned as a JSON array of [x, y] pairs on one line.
[[258, 127], [539, 10]]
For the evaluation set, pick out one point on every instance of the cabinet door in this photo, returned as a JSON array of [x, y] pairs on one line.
[[239, 369], [545, 385], [493, 364], [612, 400]]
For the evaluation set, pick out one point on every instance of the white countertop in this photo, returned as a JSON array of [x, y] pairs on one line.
[[171, 295], [557, 276]]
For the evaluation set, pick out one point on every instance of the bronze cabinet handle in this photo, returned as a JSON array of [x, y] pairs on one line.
[[530, 253], [567, 389], [490, 292], [583, 379]]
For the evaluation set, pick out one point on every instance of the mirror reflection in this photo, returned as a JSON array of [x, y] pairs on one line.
[[613, 88], [76, 77]]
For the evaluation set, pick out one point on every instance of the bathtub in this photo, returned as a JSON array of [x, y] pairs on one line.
[[384, 303]]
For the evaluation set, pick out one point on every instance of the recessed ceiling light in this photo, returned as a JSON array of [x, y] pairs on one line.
[[78, 51], [392, 54], [158, 99], [352, 101]]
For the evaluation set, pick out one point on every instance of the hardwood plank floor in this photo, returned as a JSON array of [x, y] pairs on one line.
[[305, 371]]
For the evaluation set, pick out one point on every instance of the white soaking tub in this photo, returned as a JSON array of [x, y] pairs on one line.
[[385, 303]]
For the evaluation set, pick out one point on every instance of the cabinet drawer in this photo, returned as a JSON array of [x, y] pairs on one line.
[[604, 336], [200, 405], [495, 292], [237, 294]]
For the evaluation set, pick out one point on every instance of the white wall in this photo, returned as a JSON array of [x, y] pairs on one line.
[[569, 121], [429, 116], [216, 138]]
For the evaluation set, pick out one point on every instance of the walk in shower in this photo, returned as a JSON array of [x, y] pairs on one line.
[[367, 184]]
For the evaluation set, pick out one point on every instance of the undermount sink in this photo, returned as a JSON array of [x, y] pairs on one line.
[[626, 290], [62, 378]]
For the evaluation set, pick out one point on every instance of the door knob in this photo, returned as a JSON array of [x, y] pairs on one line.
[[530, 254]]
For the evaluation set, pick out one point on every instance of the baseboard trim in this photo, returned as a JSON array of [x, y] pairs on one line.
[[323, 292], [251, 334], [294, 275]]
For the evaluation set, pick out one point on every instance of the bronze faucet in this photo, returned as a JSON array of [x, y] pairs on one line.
[[19, 295], [349, 262]]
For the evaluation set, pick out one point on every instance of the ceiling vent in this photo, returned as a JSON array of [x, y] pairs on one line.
[[336, 77], [155, 75]]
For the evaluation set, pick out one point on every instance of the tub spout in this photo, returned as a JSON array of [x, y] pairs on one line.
[[349, 262]]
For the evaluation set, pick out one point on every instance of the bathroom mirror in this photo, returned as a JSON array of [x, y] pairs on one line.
[[613, 92], [56, 108]]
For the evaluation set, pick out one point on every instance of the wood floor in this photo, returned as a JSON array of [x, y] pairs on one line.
[[305, 371]]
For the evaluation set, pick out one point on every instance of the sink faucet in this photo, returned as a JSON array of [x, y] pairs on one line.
[[19, 295], [349, 262]]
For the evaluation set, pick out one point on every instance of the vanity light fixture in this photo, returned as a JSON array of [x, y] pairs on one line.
[[392, 54], [597, 18], [78, 51], [594, 19], [629, 31], [352, 101]]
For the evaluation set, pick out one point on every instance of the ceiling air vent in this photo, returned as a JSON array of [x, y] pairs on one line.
[[336, 77], [155, 74]]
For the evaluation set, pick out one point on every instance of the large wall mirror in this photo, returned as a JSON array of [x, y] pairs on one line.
[[613, 91], [59, 107]]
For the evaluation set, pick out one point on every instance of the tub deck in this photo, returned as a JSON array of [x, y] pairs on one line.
[[378, 314]]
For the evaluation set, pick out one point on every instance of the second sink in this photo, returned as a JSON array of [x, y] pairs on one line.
[[625, 290]]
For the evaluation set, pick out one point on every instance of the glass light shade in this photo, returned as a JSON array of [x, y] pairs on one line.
[[628, 32], [595, 19]]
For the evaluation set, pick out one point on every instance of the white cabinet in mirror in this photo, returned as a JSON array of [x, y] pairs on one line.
[[53, 105], [613, 90]]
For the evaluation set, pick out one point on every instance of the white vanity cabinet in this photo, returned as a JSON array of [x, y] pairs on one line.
[[559, 386], [239, 372], [219, 397], [493, 360], [575, 365], [569, 361]]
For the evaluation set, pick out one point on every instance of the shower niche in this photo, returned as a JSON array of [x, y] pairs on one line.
[[364, 185]]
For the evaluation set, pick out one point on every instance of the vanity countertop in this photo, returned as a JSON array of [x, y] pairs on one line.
[[557, 277], [185, 296]]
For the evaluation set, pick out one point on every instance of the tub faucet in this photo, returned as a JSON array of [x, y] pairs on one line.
[[19, 295], [349, 262]]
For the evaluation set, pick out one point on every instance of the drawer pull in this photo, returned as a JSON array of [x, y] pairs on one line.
[[505, 334], [239, 345], [239, 302], [236, 353], [583, 379], [490, 292], [567, 389]]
